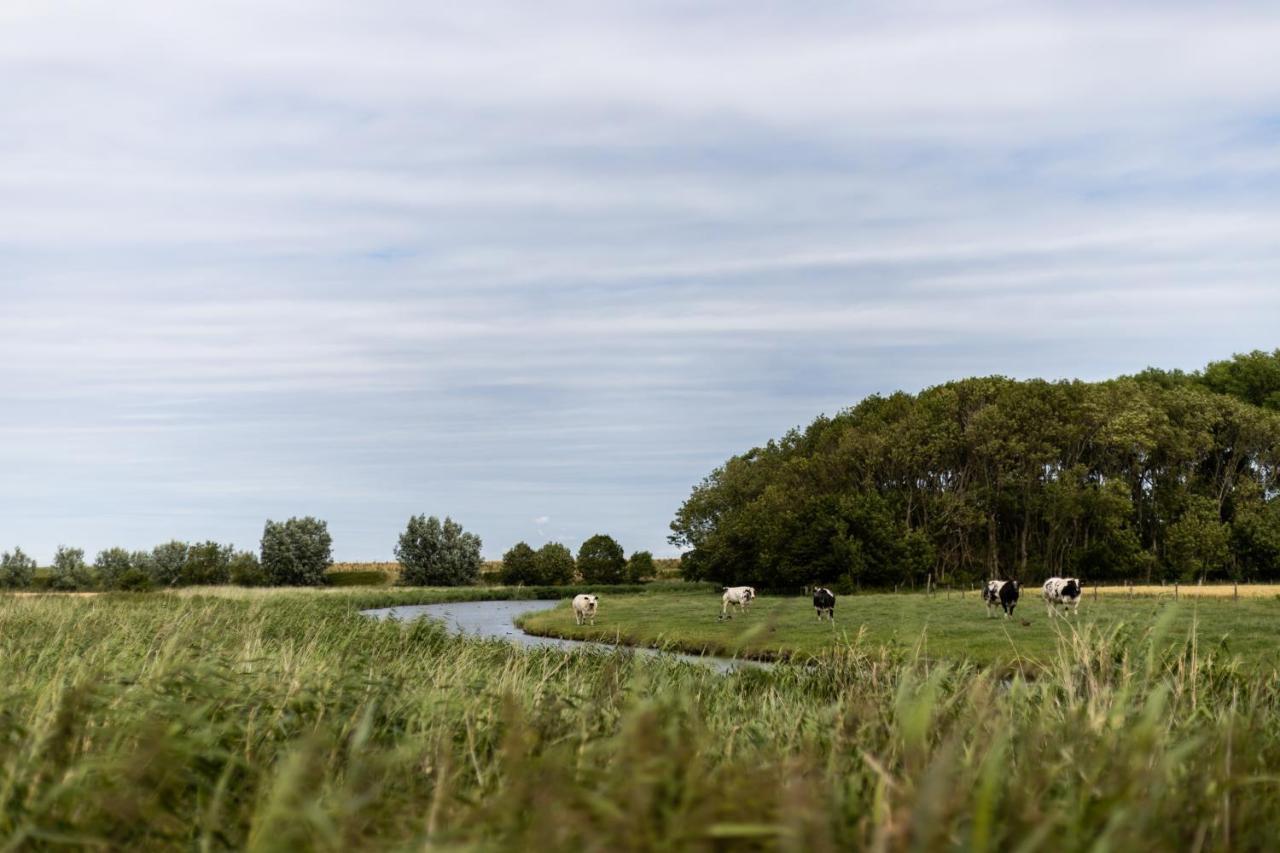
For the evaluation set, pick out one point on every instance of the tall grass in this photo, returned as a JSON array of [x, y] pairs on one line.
[[286, 722]]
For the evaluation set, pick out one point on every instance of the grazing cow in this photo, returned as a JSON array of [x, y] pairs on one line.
[[824, 601], [1002, 594], [1062, 592], [584, 608], [739, 596]]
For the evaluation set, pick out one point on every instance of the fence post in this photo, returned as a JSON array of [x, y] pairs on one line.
[[1235, 591], [1175, 590]]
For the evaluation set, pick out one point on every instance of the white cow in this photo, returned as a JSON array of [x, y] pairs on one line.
[[739, 596], [584, 608], [1064, 593]]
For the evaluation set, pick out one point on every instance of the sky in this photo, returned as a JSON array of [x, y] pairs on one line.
[[542, 266]]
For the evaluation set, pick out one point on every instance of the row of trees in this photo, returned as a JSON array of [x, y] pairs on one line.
[[298, 552], [600, 560], [293, 552], [1160, 476]]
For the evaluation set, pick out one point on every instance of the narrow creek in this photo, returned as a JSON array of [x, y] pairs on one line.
[[496, 620]]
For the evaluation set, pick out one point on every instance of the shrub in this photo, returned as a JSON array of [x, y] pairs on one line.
[[435, 554], [244, 569], [112, 566], [296, 552], [16, 570], [640, 566], [207, 563], [167, 563], [519, 565], [554, 564], [601, 560], [70, 571]]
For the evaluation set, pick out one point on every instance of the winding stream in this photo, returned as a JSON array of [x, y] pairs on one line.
[[496, 620]]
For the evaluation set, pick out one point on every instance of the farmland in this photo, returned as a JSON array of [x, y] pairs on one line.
[[940, 626], [271, 720]]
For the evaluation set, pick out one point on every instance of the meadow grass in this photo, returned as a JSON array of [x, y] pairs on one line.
[[288, 721], [940, 626]]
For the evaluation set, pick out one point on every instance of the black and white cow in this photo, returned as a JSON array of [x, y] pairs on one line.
[[1063, 593], [739, 596], [1003, 594], [824, 601]]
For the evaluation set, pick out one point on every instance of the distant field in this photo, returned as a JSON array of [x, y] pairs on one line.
[[383, 574], [1261, 590], [941, 626]]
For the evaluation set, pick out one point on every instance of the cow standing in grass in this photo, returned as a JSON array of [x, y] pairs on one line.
[[1003, 594], [584, 608], [739, 596], [1062, 593], [824, 601]]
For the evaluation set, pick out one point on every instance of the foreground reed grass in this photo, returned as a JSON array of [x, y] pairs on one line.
[[284, 722]]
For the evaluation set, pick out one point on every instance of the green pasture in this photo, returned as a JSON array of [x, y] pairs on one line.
[[944, 626]]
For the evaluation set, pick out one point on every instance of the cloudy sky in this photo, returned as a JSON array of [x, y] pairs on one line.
[[541, 266]]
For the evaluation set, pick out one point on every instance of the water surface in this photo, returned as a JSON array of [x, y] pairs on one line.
[[496, 620]]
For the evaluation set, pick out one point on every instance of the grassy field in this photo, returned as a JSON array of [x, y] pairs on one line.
[[941, 626], [268, 720]]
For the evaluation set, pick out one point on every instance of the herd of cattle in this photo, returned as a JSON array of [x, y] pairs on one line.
[[1060, 594]]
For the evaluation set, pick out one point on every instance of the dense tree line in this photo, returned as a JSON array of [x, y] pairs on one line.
[[298, 552], [1160, 476], [600, 560]]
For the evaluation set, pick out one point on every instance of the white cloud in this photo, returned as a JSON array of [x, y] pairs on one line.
[[368, 260]]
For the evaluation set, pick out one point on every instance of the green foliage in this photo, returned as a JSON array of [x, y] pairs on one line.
[[601, 560], [114, 567], [244, 569], [1255, 540], [554, 565], [296, 552], [992, 477], [207, 563], [17, 570], [519, 565], [167, 563], [550, 565], [1198, 544], [69, 570], [1253, 377], [640, 566], [435, 554]]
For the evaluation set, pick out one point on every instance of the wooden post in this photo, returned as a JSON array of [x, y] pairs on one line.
[[1175, 590], [1235, 591]]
